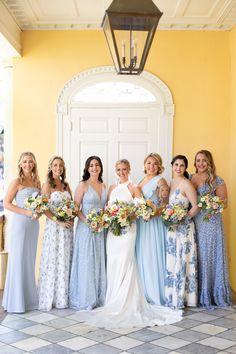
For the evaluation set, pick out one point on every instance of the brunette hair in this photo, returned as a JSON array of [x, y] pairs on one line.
[[35, 176], [183, 158], [125, 162], [49, 176], [158, 159], [211, 168], [86, 173]]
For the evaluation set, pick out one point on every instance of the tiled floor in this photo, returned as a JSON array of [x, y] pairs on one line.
[[60, 332]]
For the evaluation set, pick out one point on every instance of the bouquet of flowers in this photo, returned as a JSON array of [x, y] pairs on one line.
[[66, 210], [37, 203], [96, 220], [119, 215], [210, 205], [145, 209], [173, 215]]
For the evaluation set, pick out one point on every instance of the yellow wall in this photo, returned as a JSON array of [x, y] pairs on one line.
[[195, 65], [232, 156]]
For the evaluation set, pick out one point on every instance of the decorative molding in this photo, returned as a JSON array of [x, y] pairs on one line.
[[9, 28]]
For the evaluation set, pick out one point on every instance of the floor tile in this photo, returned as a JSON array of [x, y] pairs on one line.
[[186, 323], [4, 329], [62, 312], [146, 335], [232, 350], [167, 330], [190, 336], [231, 316], [170, 342], [12, 337], [209, 329], [220, 312], [216, 342], [60, 322], [10, 318], [42, 317], [228, 334], [202, 317], [148, 348], [124, 343], [7, 349], [101, 335], [80, 329], [196, 348], [78, 343], [19, 324], [224, 322], [37, 329], [56, 336], [124, 330], [52, 349], [30, 313], [30, 344], [100, 349]]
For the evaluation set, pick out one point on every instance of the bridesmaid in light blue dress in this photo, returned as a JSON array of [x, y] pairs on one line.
[[88, 275], [151, 235], [214, 288], [20, 292]]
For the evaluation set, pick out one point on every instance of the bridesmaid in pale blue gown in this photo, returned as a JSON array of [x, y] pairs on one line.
[[20, 292], [151, 235], [88, 275], [214, 288]]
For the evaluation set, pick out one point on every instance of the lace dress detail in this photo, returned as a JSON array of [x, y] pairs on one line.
[[55, 261]]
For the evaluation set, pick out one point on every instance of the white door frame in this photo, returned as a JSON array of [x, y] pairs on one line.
[[89, 77]]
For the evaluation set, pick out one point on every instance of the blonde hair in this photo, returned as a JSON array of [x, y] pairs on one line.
[[158, 159], [50, 178], [125, 162], [35, 176], [211, 168]]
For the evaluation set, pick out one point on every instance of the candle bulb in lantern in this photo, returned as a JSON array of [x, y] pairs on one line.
[[123, 49]]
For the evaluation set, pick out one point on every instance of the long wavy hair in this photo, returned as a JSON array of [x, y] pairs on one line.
[[35, 176], [211, 168], [86, 174], [49, 176], [185, 160], [158, 159]]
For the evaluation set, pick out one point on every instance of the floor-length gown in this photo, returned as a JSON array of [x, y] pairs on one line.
[[88, 272], [151, 250], [181, 260], [125, 304], [55, 261], [214, 288], [20, 292]]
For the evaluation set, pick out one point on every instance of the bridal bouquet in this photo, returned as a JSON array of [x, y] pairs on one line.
[[119, 215], [210, 205], [96, 220], [173, 215], [66, 210], [37, 203], [146, 209]]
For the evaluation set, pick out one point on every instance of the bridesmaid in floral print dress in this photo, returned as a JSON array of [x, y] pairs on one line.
[[181, 257], [57, 243], [214, 288]]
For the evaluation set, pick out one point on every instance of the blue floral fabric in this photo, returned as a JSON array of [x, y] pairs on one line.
[[214, 289], [181, 261]]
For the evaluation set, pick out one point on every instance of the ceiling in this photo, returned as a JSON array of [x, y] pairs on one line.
[[22, 15], [88, 14]]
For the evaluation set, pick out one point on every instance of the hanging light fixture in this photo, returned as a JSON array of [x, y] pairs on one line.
[[129, 27]]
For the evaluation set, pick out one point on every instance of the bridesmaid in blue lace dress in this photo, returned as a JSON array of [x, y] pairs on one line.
[[181, 256], [88, 275], [151, 235], [214, 288], [20, 292], [56, 254]]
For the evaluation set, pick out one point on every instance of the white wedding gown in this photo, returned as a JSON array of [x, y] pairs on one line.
[[125, 304]]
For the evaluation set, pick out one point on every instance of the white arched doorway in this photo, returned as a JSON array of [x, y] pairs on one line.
[[114, 116]]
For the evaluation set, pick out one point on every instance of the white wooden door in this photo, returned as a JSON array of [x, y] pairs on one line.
[[112, 134]]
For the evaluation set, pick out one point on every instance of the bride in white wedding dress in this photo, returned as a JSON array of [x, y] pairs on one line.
[[125, 304]]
